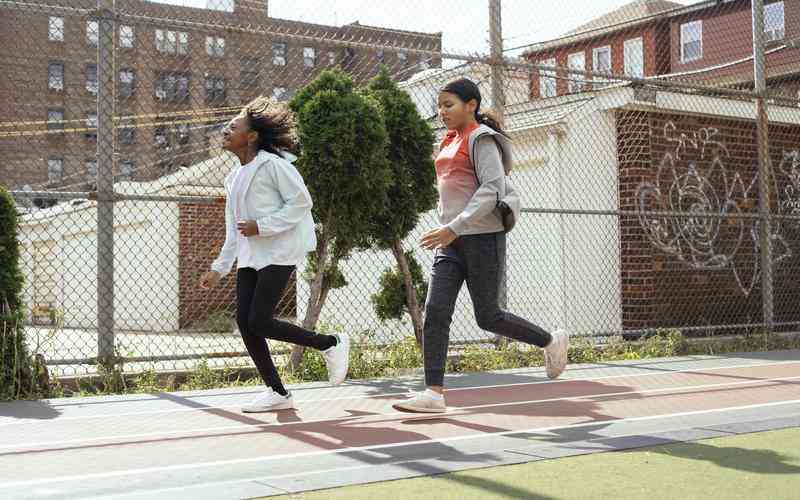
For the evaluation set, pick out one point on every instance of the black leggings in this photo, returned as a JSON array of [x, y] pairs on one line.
[[258, 294]]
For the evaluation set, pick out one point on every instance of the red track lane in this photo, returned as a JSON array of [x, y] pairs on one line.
[[213, 434]]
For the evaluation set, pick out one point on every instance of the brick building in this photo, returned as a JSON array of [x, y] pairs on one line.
[[178, 72], [707, 43]]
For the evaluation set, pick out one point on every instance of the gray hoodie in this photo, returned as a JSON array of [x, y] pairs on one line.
[[495, 205]]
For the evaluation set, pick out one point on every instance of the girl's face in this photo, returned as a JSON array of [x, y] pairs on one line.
[[455, 113], [237, 136]]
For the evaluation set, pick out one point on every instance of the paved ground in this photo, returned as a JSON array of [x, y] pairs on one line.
[[756, 466], [198, 445]]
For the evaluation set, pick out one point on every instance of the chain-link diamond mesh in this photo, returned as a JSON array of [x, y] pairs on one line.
[[636, 148]]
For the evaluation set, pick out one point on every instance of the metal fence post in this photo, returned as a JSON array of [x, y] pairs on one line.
[[105, 183], [498, 105], [764, 175]]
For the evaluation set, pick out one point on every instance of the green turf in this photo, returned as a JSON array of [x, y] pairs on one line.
[[753, 466]]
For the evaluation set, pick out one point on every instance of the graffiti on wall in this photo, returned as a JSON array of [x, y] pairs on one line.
[[692, 182]]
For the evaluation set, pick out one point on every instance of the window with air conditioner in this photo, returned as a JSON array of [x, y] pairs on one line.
[[691, 41], [576, 62], [774, 27], [331, 58], [547, 80]]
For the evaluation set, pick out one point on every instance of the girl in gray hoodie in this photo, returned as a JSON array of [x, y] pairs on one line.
[[477, 206]]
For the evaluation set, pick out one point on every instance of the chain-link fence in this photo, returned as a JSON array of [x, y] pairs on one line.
[[660, 177]]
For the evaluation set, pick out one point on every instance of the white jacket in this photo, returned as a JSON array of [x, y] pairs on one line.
[[276, 197]]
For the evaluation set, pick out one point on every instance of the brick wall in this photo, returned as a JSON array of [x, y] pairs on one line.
[[698, 272], [202, 233]]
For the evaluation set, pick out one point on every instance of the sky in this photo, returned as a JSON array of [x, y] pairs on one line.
[[463, 23]]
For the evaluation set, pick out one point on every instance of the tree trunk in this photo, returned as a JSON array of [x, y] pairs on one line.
[[315, 302], [411, 292]]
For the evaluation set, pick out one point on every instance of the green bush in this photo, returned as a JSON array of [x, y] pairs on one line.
[[20, 374]]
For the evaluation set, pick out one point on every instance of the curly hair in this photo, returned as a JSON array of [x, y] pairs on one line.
[[274, 124]]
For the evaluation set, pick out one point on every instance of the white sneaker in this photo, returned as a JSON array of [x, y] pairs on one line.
[[422, 402], [555, 354], [337, 359], [269, 400]]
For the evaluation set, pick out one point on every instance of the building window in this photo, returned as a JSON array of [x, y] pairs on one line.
[[160, 136], [55, 119], [309, 57], [172, 42], [601, 62], [691, 41], [215, 89], [279, 93], [55, 76], [55, 170], [576, 62], [182, 131], [331, 58], [547, 81], [249, 71], [172, 87], [634, 57], [126, 170], [91, 172], [380, 55], [91, 126], [279, 54], [127, 134], [91, 78], [55, 30], [215, 46], [127, 83], [774, 26], [402, 57], [127, 38], [92, 33]]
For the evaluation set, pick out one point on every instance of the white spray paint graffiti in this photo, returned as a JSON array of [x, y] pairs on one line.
[[790, 167], [688, 186]]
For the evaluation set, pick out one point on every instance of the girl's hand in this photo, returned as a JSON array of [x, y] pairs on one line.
[[209, 280], [438, 238], [247, 228]]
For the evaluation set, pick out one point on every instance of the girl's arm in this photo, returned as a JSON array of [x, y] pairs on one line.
[[227, 255], [296, 201]]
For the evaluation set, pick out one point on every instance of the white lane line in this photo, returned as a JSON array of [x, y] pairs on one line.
[[457, 410], [393, 394], [169, 468]]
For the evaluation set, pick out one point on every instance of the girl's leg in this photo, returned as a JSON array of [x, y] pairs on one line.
[[271, 284], [246, 281], [485, 257], [447, 277]]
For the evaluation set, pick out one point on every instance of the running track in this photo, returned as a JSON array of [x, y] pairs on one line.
[[199, 445]]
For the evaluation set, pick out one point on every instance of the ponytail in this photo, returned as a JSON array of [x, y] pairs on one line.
[[489, 118]]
